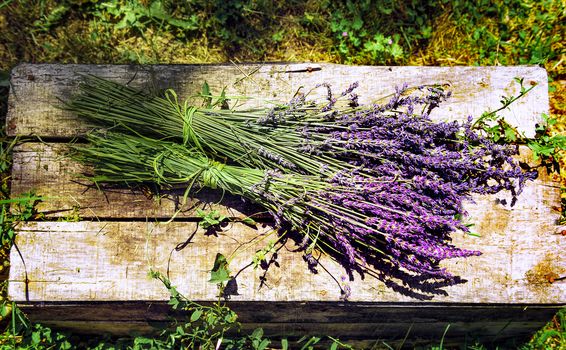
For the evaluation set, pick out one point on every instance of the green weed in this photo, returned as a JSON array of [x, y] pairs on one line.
[[22, 334], [355, 37], [211, 219], [551, 336], [14, 211], [547, 148], [160, 31], [507, 32]]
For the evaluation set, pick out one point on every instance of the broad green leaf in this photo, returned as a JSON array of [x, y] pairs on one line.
[[4, 310], [210, 218], [358, 23], [211, 319], [510, 135], [196, 315], [180, 330], [156, 10], [257, 333], [230, 317], [219, 272], [174, 303], [545, 150], [496, 137], [220, 276], [36, 337], [264, 343]]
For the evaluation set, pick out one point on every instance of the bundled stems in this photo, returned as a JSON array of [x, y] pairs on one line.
[[379, 187], [112, 104]]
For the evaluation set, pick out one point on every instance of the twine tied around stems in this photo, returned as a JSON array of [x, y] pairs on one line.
[[203, 169], [186, 112], [211, 173]]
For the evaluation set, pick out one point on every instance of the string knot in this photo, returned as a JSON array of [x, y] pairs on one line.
[[211, 173], [186, 112]]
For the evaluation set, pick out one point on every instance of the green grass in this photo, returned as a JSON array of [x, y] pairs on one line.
[[412, 32], [551, 336], [430, 32]]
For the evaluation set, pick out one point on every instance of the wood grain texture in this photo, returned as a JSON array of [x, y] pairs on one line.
[[319, 311], [516, 242], [94, 261], [36, 89], [366, 322]]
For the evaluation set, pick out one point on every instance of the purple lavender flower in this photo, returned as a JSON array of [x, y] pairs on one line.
[[410, 179]]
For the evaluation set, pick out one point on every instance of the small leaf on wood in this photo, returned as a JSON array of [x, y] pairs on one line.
[[210, 219], [220, 272]]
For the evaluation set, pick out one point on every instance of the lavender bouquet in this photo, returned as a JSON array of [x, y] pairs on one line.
[[379, 187]]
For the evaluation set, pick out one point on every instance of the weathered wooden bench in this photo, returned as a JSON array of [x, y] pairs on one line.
[[90, 275]]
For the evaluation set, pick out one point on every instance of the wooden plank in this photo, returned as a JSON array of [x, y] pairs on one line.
[[319, 311], [108, 260], [45, 168], [352, 322], [33, 100], [95, 261]]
